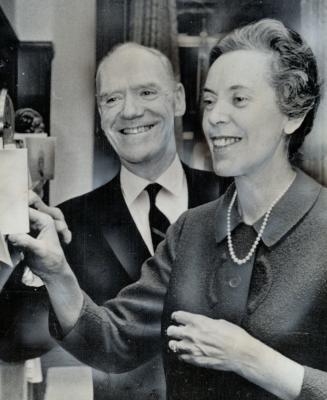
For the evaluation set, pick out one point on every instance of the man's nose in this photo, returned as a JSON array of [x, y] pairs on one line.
[[132, 107]]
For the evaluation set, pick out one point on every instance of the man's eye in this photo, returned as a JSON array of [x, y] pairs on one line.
[[148, 93], [240, 101], [111, 100]]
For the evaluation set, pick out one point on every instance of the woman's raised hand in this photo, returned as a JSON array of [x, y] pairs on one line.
[[42, 247], [58, 217]]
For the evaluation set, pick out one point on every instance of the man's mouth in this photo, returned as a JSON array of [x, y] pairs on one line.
[[220, 142], [137, 129]]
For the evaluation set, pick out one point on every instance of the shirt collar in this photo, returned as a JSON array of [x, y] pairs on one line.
[[172, 180], [295, 203]]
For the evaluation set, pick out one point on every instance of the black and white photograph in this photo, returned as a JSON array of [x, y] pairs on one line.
[[163, 204]]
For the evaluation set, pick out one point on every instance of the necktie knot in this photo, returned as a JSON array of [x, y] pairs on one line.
[[153, 189]]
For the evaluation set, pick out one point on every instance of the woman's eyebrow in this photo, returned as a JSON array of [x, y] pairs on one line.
[[239, 87], [207, 90]]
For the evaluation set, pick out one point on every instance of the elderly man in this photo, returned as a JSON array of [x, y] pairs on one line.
[[116, 227]]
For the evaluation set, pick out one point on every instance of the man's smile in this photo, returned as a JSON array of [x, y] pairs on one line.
[[137, 129]]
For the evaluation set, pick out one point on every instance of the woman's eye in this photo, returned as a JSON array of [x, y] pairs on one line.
[[207, 102], [240, 101]]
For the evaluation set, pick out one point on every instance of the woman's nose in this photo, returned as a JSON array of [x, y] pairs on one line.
[[132, 107], [219, 113]]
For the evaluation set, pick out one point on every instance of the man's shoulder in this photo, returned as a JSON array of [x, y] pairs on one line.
[[204, 213], [91, 199], [198, 173], [205, 185]]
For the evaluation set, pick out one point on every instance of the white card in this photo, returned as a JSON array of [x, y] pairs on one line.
[[14, 191]]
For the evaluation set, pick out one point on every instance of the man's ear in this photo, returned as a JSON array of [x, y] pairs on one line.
[[292, 124], [179, 100], [100, 113], [98, 106]]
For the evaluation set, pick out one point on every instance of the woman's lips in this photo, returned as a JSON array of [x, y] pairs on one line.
[[222, 142]]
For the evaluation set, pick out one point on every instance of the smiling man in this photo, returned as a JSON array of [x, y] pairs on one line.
[[116, 227]]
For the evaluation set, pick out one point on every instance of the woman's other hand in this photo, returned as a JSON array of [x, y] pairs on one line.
[[206, 342], [221, 345]]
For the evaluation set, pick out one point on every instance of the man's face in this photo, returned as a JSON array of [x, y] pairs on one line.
[[137, 103], [242, 121]]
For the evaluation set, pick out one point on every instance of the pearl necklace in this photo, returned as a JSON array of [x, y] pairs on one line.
[[241, 261]]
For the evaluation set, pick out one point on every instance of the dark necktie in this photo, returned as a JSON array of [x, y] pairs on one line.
[[157, 220]]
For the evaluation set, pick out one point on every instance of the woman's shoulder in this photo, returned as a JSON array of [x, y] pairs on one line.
[[317, 214], [321, 203]]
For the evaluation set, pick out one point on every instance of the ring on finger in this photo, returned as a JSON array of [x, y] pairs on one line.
[[174, 348]]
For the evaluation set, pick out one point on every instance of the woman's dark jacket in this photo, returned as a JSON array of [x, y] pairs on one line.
[[279, 298]]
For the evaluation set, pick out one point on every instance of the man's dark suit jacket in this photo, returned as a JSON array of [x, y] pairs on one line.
[[106, 254], [107, 250]]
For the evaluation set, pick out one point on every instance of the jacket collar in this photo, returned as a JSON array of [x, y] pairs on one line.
[[172, 180], [290, 209]]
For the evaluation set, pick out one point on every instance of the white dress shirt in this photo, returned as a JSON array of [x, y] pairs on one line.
[[172, 199]]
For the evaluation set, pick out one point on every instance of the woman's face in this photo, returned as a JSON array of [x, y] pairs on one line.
[[242, 121]]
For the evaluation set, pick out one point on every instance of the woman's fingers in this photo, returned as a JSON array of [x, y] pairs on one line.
[[178, 332], [44, 253], [41, 223], [180, 347], [55, 213], [63, 231], [182, 317], [186, 318], [23, 241], [206, 342], [39, 220]]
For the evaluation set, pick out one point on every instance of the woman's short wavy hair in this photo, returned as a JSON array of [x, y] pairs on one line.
[[294, 73]]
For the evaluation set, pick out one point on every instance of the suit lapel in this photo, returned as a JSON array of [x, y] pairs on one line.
[[118, 226], [120, 231]]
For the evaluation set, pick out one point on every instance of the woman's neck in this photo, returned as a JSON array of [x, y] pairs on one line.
[[257, 192]]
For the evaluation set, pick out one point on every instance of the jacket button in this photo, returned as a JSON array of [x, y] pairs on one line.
[[235, 281]]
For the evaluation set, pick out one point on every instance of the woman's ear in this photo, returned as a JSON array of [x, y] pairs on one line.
[[292, 124], [179, 100]]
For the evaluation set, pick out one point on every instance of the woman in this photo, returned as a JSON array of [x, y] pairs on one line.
[[238, 288], [259, 101]]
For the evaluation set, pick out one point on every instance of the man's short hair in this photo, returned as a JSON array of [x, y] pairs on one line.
[[130, 45]]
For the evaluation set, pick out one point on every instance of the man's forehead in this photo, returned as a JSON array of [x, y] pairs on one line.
[[134, 70], [133, 57]]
